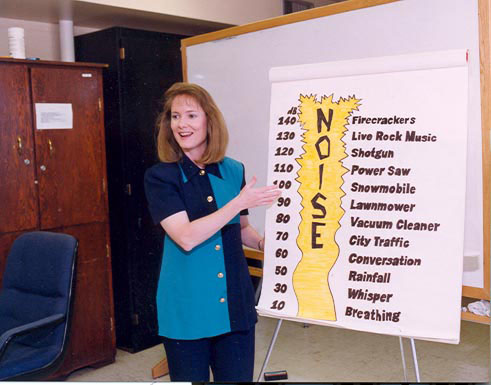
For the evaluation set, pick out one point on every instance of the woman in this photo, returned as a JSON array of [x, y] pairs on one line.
[[205, 298]]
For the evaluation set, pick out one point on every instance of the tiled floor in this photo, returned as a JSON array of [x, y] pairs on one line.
[[326, 354]]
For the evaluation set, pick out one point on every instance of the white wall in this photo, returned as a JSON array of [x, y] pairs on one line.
[[41, 39]]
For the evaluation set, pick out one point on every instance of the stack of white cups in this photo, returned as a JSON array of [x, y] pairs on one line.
[[17, 48]]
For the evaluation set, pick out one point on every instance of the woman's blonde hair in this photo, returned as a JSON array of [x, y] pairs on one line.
[[217, 134]]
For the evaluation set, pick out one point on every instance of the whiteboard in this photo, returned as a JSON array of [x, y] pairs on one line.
[[235, 71]]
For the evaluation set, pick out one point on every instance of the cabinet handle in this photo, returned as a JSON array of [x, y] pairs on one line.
[[51, 148], [19, 145]]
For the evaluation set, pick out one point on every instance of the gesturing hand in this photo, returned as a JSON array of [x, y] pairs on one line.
[[251, 196]]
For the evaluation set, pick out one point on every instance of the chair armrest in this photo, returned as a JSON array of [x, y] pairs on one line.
[[6, 337]]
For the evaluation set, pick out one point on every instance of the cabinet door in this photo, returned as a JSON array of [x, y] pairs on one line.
[[6, 241], [92, 340], [19, 206], [70, 162]]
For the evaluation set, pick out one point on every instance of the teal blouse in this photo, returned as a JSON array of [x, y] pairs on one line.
[[207, 291]]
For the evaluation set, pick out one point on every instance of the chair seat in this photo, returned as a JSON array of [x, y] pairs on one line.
[[22, 359]]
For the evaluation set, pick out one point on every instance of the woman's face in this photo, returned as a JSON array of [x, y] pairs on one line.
[[189, 125]]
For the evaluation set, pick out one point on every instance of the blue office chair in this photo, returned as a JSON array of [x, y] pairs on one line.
[[35, 303]]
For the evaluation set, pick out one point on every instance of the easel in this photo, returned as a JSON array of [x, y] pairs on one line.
[[160, 369], [413, 349]]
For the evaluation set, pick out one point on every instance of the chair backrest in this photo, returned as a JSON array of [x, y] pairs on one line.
[[38, 280]]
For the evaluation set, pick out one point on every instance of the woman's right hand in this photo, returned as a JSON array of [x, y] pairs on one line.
[[251, 196]]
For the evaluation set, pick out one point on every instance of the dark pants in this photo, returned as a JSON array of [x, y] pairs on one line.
[[230, 356]]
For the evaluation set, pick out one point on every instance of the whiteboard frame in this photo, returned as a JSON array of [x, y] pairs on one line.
[[484, 10]]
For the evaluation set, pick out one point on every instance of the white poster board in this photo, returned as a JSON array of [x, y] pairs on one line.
[[371, 159]]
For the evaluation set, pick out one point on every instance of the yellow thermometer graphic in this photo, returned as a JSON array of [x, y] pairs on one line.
[[320, 177]]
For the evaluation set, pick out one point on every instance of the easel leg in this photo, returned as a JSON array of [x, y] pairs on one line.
[[415, 360], [270, 349], [161, 369], [403, 359], [258, 290]]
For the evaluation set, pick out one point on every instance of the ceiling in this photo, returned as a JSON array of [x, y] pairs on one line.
[[98, 16]]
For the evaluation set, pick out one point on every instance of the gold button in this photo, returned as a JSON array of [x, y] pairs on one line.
[[201, 172], [209, 199], [222, 300], [217, 247], [220, 275]]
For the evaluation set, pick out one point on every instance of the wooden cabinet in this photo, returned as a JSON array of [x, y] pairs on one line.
[[55, 179], [92, 336]]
